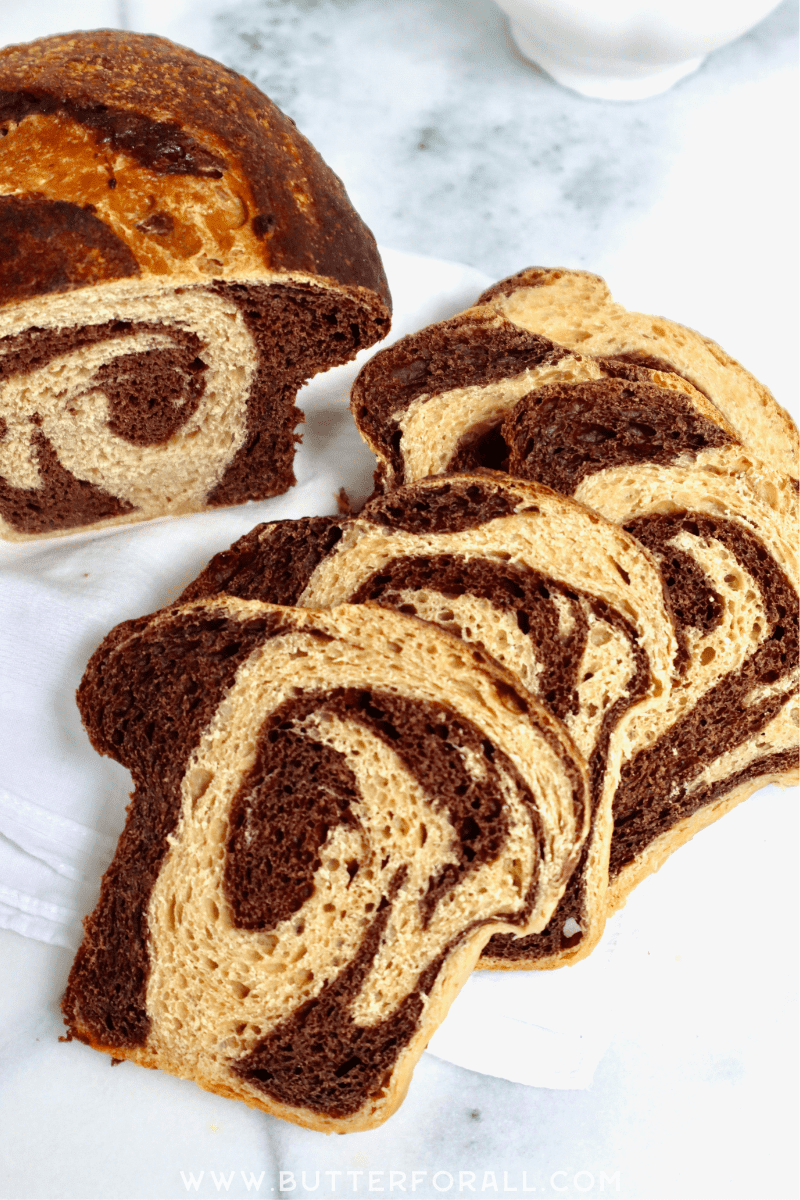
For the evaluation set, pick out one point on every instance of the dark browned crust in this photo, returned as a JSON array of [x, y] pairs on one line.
[[54, 246], [186, 100], [528, 277], [358, 1060], [720, 721], [61, 502], [145, 699], [470, 349], [272, 562], [562, 433], [161, 146]]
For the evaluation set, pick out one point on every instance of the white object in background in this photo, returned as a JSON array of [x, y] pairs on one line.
[[626, 49]]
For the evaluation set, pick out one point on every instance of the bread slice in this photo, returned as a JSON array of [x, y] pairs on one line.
[[648, 450], [725, 538], [175, 262], [332, 814], [565, 600], [576, 309], [435, 401], [723, 527]]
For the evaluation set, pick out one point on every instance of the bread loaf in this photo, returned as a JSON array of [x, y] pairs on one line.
[[566, 601], [332, 814], [175, 262]]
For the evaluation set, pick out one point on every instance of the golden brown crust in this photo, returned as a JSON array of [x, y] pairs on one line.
[[139, 184], [106, 90], [661, 849]]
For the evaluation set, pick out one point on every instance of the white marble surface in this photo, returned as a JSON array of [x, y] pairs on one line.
[[451, 145]]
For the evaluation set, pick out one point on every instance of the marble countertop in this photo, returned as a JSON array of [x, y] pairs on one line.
[[451, 145]]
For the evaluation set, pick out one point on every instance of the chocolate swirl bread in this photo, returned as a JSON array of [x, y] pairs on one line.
[[565, 600], [725, 538], [643, 447], [435, 401], [576, 310], [723, 527], [333, 813], [175, 262]]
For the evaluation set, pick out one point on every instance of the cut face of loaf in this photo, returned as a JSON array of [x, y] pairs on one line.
[[576, 310], [648, 451], [133, 400], [333, 813], [175, 262], [565, 600]]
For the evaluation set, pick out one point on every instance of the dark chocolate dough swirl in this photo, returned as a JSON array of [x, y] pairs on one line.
[[559, 434], [722, 719], [106, 993], [280, 820], [281, 817], [358, 1060], [459, 353]]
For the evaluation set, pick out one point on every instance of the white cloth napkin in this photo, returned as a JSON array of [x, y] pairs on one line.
[[62, 806]]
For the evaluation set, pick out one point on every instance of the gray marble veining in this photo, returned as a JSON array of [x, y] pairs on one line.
[[452, 145]]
